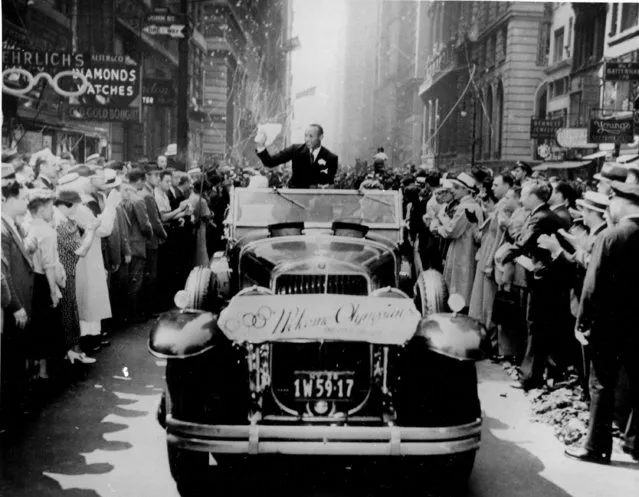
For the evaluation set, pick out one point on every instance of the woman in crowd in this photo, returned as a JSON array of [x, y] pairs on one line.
[[48, 276], [202, 217], [71, 246]]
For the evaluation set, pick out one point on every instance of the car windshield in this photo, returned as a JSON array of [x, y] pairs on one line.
[[266, 206]]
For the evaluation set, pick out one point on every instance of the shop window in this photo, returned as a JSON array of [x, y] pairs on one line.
[[558, 52], [559, 87], [490, 51], [629, 15], [613, 19]]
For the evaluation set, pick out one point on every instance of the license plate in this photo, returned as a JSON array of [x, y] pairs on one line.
[[324, 385]]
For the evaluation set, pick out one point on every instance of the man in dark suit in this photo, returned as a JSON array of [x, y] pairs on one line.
[[140, 231], [549, 301], [607, 321], [312, 164], [146, 191], [19, 276], [562, 196]]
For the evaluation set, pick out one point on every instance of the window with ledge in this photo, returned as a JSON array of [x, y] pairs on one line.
[[558, 48], [629, 15], [559, 87]]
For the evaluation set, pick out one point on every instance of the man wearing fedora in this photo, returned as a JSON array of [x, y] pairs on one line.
[[607, 322], [610, 171]]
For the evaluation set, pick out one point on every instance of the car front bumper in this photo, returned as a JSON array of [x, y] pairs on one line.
[[324, 440]]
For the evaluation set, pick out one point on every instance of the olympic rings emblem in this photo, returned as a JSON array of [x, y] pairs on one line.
[[53, 81], [258, 319]]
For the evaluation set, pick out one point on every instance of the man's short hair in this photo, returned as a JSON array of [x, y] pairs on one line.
[[165, 173], [11, 190], [539, 188], [566, 190], [136, 175], [508, 179], [319, 128], [38, 165]]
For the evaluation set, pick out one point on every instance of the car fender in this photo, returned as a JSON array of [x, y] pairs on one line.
[[453, 335], [182, 334]]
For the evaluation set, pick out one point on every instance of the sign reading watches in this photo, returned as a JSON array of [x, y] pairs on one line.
[[112, 81]]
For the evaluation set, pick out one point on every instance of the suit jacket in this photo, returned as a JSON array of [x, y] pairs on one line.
[[542, 221], [117, 243], [19, 269], [159, 234], [306, 171], [608, 306], [140, 229], [563, 214]]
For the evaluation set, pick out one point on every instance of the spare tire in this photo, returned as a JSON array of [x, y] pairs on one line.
[[201, 287], [431, 292]]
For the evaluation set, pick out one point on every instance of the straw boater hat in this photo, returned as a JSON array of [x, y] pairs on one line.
[[594, 201], [111, 179], [39, 194], [626, 190]]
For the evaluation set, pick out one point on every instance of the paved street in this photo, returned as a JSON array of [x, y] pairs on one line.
[[99, 438]]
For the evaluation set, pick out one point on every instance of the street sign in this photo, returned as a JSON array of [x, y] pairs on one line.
[[174, 30], [162, 22], [621, 71]]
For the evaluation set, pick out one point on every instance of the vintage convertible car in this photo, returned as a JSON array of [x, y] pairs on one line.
[[299, 341]]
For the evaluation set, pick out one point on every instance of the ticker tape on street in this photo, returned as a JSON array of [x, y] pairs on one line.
[[53, 81]]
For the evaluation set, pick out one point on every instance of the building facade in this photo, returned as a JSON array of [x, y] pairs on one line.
[[485, 61], [237, 76], [397, 115], [245, 75]]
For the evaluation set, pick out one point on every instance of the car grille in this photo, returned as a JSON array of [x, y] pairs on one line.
[[289, 359], [341, 284]]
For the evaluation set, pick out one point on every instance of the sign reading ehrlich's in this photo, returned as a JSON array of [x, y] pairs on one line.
[[621, 71], [269, 318], [113, 89], [541, 128], [611, 130]]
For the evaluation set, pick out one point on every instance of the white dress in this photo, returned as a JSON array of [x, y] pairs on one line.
[[92, 292]]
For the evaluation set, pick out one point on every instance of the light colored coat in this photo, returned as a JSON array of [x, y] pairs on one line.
[[459, 269], [91, 282]]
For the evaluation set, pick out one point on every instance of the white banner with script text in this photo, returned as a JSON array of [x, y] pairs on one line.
[[268, 318]]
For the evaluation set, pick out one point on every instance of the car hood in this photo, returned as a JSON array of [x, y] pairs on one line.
[[301, 249]]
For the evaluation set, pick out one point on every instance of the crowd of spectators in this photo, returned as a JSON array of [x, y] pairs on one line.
[[89, 248], [517, 246]]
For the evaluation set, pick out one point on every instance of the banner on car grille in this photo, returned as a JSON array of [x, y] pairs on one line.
[[269, 318]]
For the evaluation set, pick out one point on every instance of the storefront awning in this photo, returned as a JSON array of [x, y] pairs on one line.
[[596, 155], [150, 42], [561, 165]]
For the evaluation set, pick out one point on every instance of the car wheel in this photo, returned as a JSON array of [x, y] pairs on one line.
[[202, 288], [194, 477], [431, 292]]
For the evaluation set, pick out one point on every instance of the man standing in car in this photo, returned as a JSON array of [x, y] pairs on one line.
[[312, 164]]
